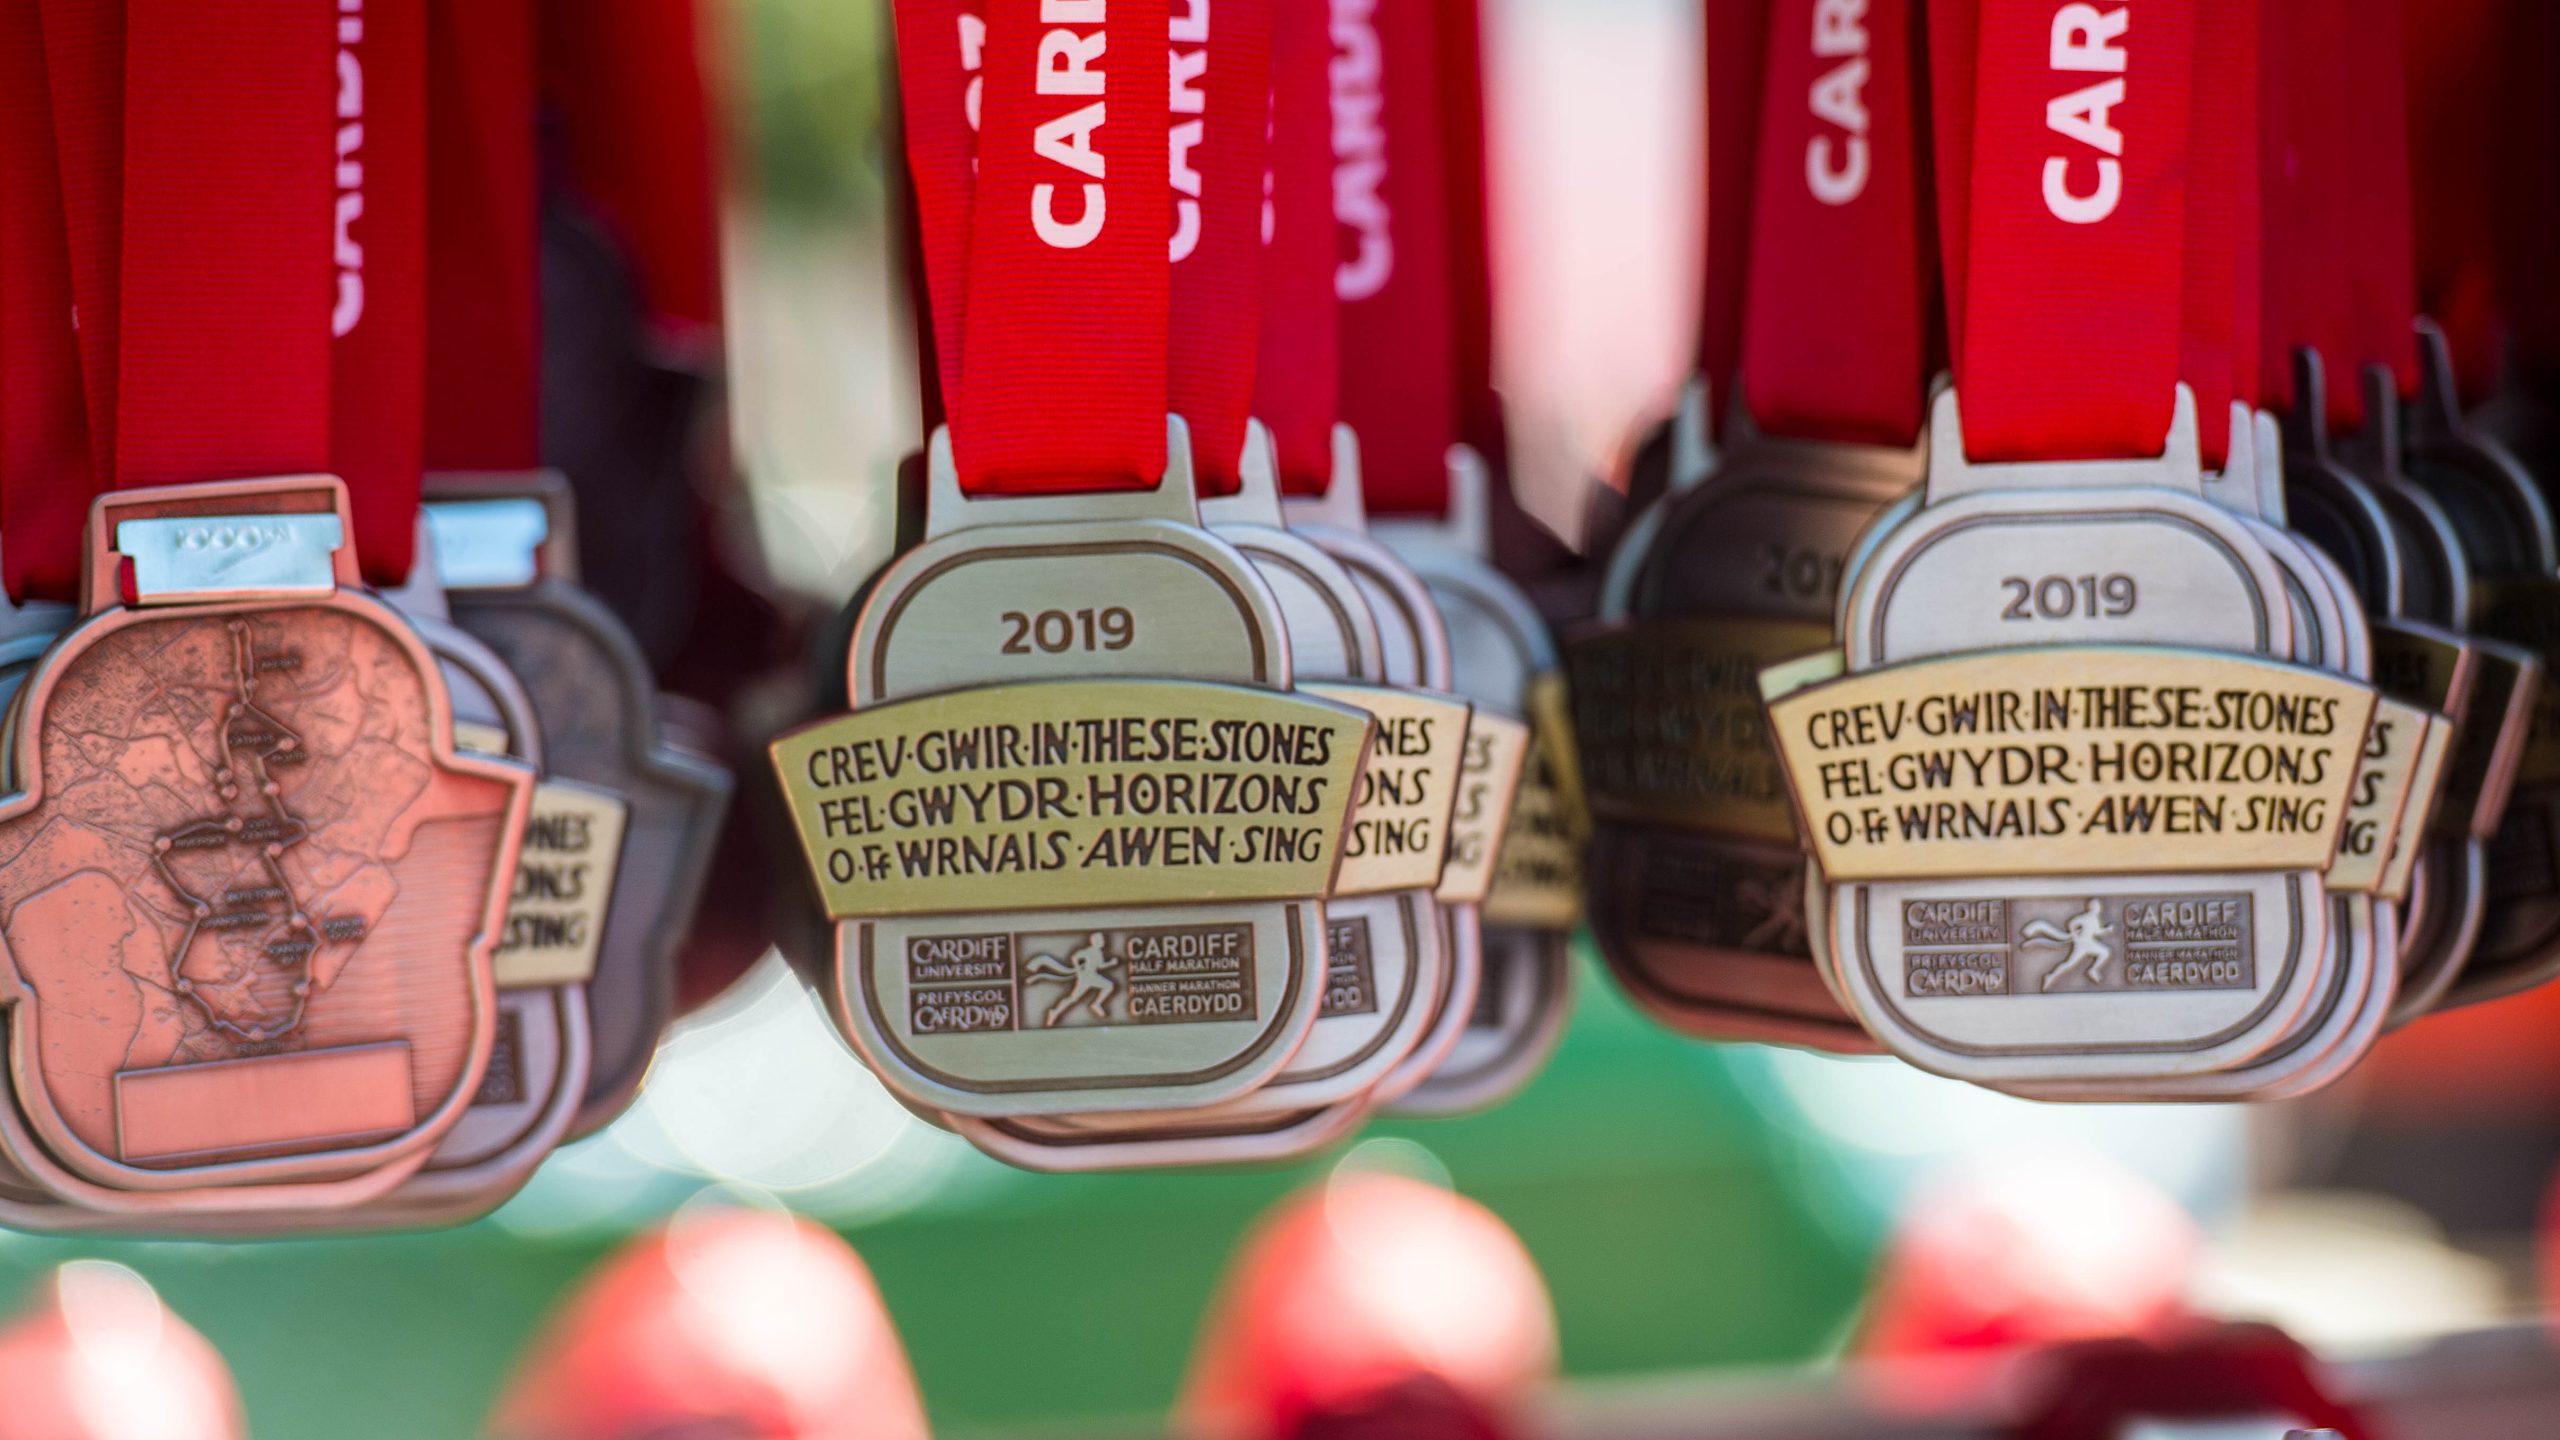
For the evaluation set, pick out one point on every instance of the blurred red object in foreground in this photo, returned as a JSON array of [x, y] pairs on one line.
[[737, 1324], [1372, 1305], [2026, 1251], [2228, 1373], [98, 1357]]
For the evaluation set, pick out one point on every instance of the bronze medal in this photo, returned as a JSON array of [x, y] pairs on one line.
[[302, 993]]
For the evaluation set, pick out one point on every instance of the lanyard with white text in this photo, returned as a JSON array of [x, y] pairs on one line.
[[1221, 122], [1296, 378], [1061, 352], [1395, 278], [2066, 290], [1836, 308]]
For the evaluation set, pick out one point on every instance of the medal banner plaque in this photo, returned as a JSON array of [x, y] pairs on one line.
[[2075, 760], [1537, 878], [564, 886], [1537, 874], [2395, 747], [1670, 726], [1488, 784], [1399, 835], [2417, 815], [1081, 793]]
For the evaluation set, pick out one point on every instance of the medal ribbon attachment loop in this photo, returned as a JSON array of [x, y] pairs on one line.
[[1296, 381], [1221, 122], [1835, 330], [1062, 347], [2068, 280]]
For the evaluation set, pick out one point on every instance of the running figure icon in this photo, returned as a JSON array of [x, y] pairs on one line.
[[2085, 936], [1086, 968]]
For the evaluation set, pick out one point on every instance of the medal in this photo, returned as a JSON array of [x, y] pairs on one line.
[[1069, 699], [1701, 878], [621, 875], [2222, 365], [613, 874], [2351, 186], [277, 991], [1386, 944], [542, 1050], [2130, 969], [1416, 389]]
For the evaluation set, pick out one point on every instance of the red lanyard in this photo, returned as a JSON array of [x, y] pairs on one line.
[[2453, 50], [2074, 227], [1834, 343], [2221, 304], [227, 265], [1062, 302], [1398, 325], [2337, 267], [627, 80], [1736, 37], [2529, 205], [224, 271], [941, 57], [46, 475], [84, 63], [377, 403], [1462, 111], [483, 325], [1296, 379], [1221, 122], [2381, 246], [1955, 27]]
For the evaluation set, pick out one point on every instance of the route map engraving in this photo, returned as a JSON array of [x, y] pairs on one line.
[[286, 936], [239, 845]]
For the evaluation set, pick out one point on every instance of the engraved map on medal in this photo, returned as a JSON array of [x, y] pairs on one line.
[[244, 849]]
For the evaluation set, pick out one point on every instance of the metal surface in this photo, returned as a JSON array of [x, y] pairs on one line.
[[1702, 923], [1188, 606], [2192, 574], [257, 807], [599, 710]]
